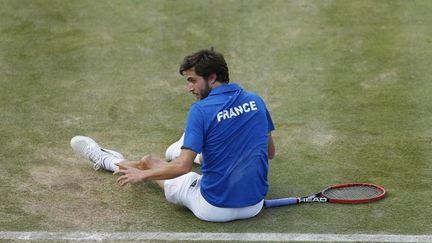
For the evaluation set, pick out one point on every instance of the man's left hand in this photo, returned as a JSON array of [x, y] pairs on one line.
[[129, 175]]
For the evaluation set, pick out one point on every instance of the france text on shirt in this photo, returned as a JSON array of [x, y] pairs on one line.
[[237, 111]]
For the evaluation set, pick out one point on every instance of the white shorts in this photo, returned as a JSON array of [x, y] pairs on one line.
[[185, 190]]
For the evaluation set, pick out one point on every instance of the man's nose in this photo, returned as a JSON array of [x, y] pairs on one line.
[[190, 87]]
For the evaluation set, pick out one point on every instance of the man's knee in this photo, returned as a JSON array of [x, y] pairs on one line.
[[150, 161], [146, 159], [143, 163]]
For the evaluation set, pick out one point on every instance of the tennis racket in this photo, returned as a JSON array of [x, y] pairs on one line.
[[351, 193]]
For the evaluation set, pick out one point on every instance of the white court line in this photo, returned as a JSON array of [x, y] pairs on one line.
[[199, 236]]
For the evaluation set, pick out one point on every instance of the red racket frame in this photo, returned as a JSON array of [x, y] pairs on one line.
[[354, 201]]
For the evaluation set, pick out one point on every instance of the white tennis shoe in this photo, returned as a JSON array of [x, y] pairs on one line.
[[102, 158], [174, 150]]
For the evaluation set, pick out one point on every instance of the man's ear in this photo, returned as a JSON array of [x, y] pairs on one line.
[[213, 78]]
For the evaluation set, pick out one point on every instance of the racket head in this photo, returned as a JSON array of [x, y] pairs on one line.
[[353, 193]]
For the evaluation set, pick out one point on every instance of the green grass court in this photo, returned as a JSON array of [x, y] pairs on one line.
[[348, 84]]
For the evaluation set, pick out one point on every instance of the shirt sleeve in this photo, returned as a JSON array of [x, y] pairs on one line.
[[194, 131], [271, 126]]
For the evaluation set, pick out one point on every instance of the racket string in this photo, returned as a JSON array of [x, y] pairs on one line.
[[352, 192]]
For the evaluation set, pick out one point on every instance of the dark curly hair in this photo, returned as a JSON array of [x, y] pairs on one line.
[[207, 62]]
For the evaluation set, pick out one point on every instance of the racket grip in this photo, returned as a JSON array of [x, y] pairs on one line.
[[281, 202]]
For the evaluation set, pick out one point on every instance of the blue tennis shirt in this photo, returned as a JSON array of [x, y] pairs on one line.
[[230, 127]]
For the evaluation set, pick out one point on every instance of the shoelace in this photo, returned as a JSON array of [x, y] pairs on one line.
[[98, 157]]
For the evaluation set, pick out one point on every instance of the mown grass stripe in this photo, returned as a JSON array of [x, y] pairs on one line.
[[191, 236]]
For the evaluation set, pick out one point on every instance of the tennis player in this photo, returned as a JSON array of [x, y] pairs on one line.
[[228, 125]]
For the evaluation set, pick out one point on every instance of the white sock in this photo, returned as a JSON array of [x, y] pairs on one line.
[[111, 163]]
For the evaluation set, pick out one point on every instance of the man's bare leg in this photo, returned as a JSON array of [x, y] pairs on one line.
[[145, 163]]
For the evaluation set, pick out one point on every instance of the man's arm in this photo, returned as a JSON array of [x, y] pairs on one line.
[[271, 147], [180, 166]]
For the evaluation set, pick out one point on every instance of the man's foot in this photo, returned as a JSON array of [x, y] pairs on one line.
[[101, 157]]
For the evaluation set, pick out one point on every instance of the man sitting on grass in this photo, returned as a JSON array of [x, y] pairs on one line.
[[229, 126]]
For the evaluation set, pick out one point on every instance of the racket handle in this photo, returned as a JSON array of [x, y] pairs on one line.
[[280, 202]]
